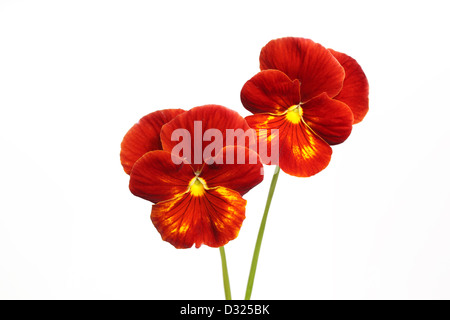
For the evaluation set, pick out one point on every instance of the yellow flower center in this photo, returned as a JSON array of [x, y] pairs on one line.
[[294, 114], [197, 186]]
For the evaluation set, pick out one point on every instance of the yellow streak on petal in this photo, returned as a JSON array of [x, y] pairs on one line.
[[306, 151], [229, 218], [183, 228]]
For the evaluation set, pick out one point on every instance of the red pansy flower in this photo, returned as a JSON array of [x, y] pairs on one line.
[[198, 202], [144, 136], [311, 95]]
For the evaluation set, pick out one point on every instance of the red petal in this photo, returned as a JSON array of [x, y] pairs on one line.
[[212, 119], [355, 92], [301, 152], [270, 91], [155, 176], [332, 120], [268, 139], [303, 59], [241, 174], [213, 219], [144, 136]]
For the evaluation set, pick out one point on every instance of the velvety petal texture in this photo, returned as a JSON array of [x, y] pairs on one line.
[[268, 134], [155, 176], [331, 119], [270, 91], [199, 127], [241, 174], [312, 64], [212, 219], [355, 91], [144, 136], [301, 152]]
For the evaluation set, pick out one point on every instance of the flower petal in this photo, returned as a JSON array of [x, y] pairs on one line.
[[270, 91], [301, 152], [200, 125], [155, 176], [332, 120], [144, 136], [213, 219], [355, 92], [267, 132], [236, 168], [307, 61]]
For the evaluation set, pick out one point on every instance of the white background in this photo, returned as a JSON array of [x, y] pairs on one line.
[[76, 75]]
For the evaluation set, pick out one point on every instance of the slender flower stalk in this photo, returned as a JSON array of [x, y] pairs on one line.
[[226, 279], [312, 96], [251, 277]]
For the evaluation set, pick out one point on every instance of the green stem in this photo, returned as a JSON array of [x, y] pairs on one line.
[[226, 279], [251, 277]]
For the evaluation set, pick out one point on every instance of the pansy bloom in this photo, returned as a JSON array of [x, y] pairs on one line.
[[197, 193], [311, 95]]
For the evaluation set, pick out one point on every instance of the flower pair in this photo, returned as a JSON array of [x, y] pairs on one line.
[[305, 99], [197, 189]]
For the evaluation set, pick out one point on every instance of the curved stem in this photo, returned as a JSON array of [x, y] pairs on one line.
[[251, 276], [226, 279]]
